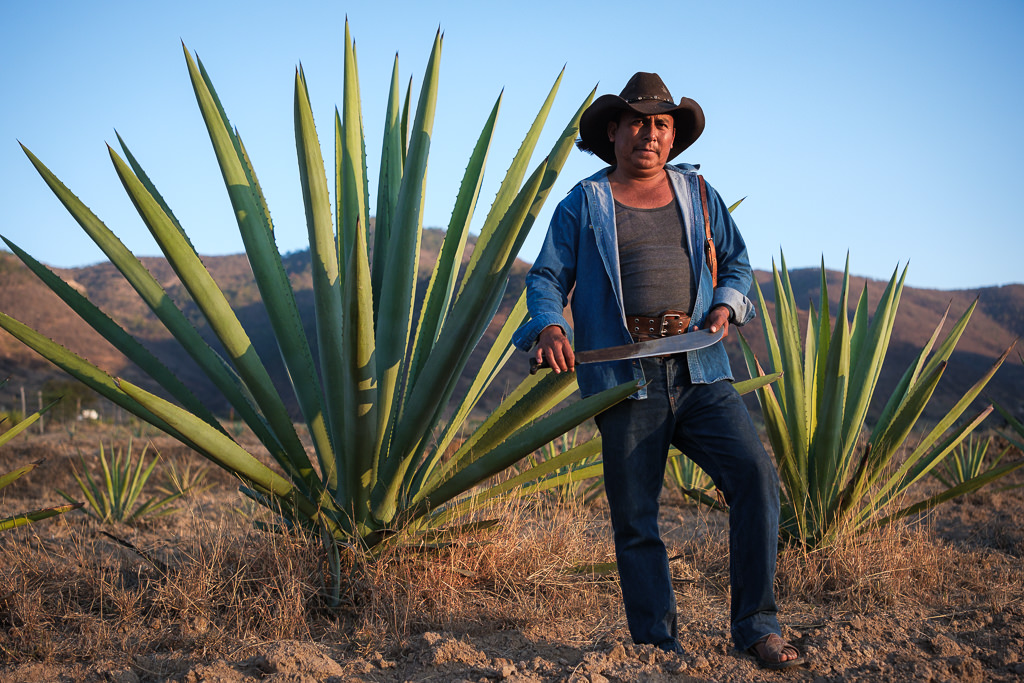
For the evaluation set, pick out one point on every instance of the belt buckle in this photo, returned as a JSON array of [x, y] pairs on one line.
[[665, 319]]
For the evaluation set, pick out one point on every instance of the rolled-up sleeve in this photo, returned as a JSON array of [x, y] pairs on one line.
[[553, 274]]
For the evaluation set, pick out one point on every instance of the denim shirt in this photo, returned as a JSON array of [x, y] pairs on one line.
[[581, 251]]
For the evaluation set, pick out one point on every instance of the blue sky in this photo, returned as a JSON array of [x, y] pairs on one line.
[[889, 130]]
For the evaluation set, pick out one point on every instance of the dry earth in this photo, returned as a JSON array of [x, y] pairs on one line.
[[937, 600]]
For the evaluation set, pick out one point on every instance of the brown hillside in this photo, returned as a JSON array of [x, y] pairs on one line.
[[998, 320], [25, 298]]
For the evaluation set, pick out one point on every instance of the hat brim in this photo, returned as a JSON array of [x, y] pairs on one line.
[[689, 123]]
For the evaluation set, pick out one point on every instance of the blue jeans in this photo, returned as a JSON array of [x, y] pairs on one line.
[[710, 424]]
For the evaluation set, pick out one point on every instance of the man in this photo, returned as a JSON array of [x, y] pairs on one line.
[[632, 241]]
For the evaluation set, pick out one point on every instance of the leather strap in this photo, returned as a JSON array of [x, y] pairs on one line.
[[644, 328], [709, 242]]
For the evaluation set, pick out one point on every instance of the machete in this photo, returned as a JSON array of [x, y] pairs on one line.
[[678, 343]]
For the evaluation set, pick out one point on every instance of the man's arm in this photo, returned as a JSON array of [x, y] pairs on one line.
[[548, 284]]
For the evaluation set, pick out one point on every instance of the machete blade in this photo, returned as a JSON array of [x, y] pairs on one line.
[[679, 343]]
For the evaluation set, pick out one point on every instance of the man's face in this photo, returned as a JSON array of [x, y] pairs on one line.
[[642, 141]]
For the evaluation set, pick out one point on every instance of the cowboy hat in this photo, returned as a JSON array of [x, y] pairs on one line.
[[645, 93]]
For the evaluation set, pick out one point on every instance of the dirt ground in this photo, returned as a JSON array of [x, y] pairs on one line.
[[939, 599]]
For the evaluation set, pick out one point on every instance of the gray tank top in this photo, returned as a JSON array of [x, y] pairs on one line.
[[654, 261]]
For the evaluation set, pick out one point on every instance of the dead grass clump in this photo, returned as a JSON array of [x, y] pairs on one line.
[[897, 565], [81, 597], [517, 574], [243, 583]]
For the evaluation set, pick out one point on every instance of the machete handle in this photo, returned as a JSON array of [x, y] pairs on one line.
[[535, 366]]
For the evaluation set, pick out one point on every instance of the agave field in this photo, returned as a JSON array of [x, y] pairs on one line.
[[395, 531]]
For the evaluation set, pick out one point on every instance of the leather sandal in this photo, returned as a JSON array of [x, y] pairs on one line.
[[768, 652]]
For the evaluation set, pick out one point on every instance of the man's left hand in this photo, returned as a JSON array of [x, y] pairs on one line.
[[717, 319]]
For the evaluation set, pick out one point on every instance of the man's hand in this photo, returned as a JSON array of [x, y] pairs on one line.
[[718, 318], [554, 346]]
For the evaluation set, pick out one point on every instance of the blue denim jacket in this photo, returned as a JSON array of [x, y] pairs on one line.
[[581, 250]]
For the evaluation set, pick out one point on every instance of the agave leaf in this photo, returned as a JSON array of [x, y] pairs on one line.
[[754, 383], [352, 196], [360, 379], [827, 454], [524, 441], [395, 319], [10, 477], [80, 369], [214, 305], [257, 234], [161, 304], [326, 278], [150, 187], [220, 449], [35, 516], [501, 350], [508, 191], [920, 463], [392, 162], [442, 280], [535, 396], [541, 469], [966, 487], [950, 418]]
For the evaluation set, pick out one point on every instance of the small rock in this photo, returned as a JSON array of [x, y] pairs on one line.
[[504, 667], [126, 676], [618, 653]]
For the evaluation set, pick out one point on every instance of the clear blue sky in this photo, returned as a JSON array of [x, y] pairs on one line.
[[891, 130]]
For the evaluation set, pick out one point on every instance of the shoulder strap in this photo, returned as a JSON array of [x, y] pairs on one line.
[[709, 242]]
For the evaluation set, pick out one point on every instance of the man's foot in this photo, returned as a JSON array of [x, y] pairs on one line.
[[672, 646], [772, 652]]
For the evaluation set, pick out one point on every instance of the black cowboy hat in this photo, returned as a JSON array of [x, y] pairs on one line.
[[645, 93]]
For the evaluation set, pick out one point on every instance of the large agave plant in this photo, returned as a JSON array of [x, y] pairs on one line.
[[378, 399], [834, 481]]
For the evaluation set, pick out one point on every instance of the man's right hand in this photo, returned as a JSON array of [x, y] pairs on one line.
[[554, 346]]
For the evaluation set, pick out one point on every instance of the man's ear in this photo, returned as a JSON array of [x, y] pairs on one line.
[[612, 127]]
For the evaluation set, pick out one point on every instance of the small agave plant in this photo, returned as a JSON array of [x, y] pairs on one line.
[[378, 399]]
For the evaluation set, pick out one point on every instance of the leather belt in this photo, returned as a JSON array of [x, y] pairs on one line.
[[643, 328]]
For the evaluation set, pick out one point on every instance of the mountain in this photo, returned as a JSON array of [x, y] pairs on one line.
[[25, 298], [997, 322]]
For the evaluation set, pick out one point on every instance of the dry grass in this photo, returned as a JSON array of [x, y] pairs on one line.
[[206, 584], [516, 575]]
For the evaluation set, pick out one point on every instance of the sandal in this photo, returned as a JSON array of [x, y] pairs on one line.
[[769, 649]]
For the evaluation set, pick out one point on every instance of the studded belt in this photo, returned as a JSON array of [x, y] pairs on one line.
[[643, 328]]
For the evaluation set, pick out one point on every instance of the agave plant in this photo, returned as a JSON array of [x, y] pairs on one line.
[[379, 398], [10, 477], [968, 460], [816, 413], [116, 497]]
